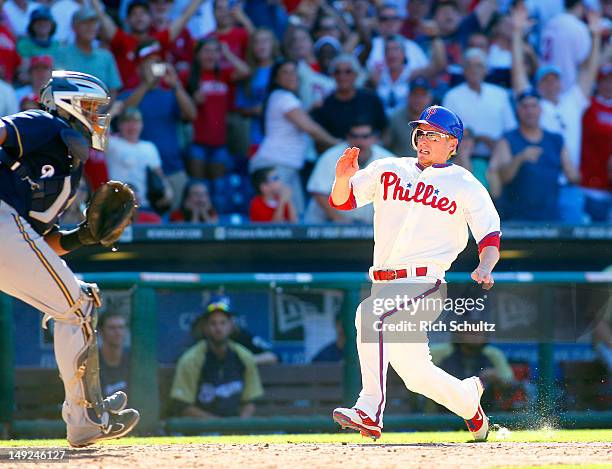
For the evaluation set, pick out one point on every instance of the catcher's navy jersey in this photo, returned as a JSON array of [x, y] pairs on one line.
[[41, 166]]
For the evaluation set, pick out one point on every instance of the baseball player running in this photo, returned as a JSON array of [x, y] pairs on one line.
[[42, 153], [422, 209]]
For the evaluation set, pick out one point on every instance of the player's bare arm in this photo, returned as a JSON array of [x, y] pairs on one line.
[[346, 167], [483, 274], [2, 133]]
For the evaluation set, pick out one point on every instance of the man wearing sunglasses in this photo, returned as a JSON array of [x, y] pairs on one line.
[[423, 207]]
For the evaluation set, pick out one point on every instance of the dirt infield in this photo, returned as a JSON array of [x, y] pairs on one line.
[[328, 456]]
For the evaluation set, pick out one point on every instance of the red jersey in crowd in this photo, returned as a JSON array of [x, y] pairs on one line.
[[95, 169], [210, 126], [9, 58], [237, 39], [124, 45], [596, 144], [180, 53], [261, 210]]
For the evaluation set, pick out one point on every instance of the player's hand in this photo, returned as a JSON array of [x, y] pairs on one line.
[[347, 164], [531, 154], [483, 277]]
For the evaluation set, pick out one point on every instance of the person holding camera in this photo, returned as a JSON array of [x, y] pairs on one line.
[[163, 103]]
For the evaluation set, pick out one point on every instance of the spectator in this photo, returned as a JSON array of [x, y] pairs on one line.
[[334, 351], [261, 54], [417, 12], [114, 358], [39, 73], [216, 377], [63, 11], [483, 107], [18, 14], [272, 204], [29, 102], [528, 162], [9, 58], [327, 49], [596, 163], [313, 85], [561, 111], [566, 42], [455, 31], [340, 109], [39, 40], [260, 349], [180, 51], [8, 101], [265, 14], [124, 46], [210, 85], [163, 103], [85, 56], [196, 205], [398, 138], [470, 355], [298, 46], [202, 22], [389, 25], [233, 28], [285, 128], [129, 159], [391, 81], [320, 184]]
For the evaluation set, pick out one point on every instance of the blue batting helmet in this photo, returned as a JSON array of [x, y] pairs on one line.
[[443, 119]]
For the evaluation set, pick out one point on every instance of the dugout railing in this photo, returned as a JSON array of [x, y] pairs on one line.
[[144, 386]]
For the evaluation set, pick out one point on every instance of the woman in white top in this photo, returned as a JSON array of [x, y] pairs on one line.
[[286, 129]]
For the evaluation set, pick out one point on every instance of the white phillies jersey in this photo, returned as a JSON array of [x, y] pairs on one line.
[[422, 215]]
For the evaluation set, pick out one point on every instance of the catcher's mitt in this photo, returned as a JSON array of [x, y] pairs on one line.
[[109, 212]]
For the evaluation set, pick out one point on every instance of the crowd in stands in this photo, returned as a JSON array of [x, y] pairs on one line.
[[229, 110]]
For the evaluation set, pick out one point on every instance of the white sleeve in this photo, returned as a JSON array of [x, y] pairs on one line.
[[480, 213], [322, 178], [364, 183], [153, 158], [416, 57], [285, 101], [582, 43], [508, 114]]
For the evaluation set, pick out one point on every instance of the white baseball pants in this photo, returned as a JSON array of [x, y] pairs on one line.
[[412, 362], [32, 272]]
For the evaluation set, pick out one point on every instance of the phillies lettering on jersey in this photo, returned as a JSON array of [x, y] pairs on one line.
[[422, 215], [422, 193]]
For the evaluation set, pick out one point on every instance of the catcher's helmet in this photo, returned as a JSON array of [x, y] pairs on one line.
[[443, 119], [83, 97]]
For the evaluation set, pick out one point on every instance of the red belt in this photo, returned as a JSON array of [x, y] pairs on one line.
[[395, 274]]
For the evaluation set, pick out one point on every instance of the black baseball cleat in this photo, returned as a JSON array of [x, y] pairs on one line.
[[120, 424], [116, 402]]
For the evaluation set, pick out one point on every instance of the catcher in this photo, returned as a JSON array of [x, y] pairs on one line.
[[42, 153]]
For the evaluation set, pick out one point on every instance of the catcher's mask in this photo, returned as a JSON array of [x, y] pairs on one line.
[[84, 98]]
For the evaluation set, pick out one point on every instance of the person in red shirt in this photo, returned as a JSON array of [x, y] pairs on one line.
[[272, 204], [210, 86], [596, 160], [180, 53], [196, 206], [139, 20], [233, 28], [9, 58]]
